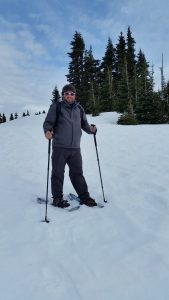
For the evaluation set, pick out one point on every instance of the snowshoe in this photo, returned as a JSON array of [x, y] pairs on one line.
[[60, 203], [89, 202]]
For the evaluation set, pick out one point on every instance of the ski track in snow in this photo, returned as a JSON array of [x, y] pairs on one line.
[[119, 252]]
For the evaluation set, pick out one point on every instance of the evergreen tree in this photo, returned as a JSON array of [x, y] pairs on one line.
[[167, 92], [108, 99], [16, 115], [167, 98], [131, 63], [121, 80], [90, 95], [55, 95], [148, 107], [27, 113], [163, 83], [142, 87], [164, 96], [128, 117], [11, 117], [161, 110], [3, 118], [76, 64], [23, 115]]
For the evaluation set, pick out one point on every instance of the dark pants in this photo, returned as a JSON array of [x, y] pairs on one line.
[[72, 157]]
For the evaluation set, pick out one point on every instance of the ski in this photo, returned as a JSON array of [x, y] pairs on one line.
[[73, 197], [69, 208]]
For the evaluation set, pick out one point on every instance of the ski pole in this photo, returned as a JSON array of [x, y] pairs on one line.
[[46, 210], [95, 142]]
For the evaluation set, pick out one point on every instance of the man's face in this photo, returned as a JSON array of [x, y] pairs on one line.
[[69, 97]]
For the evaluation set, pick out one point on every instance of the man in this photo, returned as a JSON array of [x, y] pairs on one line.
[[64, 127]]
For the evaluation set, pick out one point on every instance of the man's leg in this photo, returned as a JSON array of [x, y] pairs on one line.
[[76, 174], [59, 157]]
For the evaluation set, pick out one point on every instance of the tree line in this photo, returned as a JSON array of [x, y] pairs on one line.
[[122, 81], [12, 117]]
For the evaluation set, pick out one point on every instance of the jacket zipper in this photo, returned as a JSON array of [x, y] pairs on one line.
[[72, 125]]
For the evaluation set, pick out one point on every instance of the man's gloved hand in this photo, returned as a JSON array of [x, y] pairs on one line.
[[93, 128]]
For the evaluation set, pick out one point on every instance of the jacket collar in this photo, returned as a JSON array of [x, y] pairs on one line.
[[73, 105]]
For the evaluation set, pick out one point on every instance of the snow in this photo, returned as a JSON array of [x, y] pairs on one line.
[[119, 252]]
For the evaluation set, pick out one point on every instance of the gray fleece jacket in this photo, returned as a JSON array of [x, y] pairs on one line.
[[67, 131]]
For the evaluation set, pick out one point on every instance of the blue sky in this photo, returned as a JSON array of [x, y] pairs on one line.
[[35, 37]]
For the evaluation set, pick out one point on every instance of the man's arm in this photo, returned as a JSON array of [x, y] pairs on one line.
[[90, 129], [50, 120]]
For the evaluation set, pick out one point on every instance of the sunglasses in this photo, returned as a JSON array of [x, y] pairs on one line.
[[69, 93]]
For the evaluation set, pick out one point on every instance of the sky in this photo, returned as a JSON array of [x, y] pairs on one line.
[[35, 37]]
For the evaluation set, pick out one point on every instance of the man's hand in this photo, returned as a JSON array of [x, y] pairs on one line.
[[49, 135], [93, 128]]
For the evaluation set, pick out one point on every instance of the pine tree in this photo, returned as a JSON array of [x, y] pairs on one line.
[[131, 63], [121, 80], [55, 95], [165, 101], [148, 107], [76, 64], [166, 92], [163, 84], [128, 117], [3, 118], [11, 117], [142, 82], [108, 99], [90, 95], [16, 115]]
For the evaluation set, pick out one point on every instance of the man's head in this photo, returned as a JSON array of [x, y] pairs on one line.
[[68, 93]]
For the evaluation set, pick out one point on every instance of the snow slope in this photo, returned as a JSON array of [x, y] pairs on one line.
[[120, 252]]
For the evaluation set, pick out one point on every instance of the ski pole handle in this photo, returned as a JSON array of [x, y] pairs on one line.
[[93, 125]]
